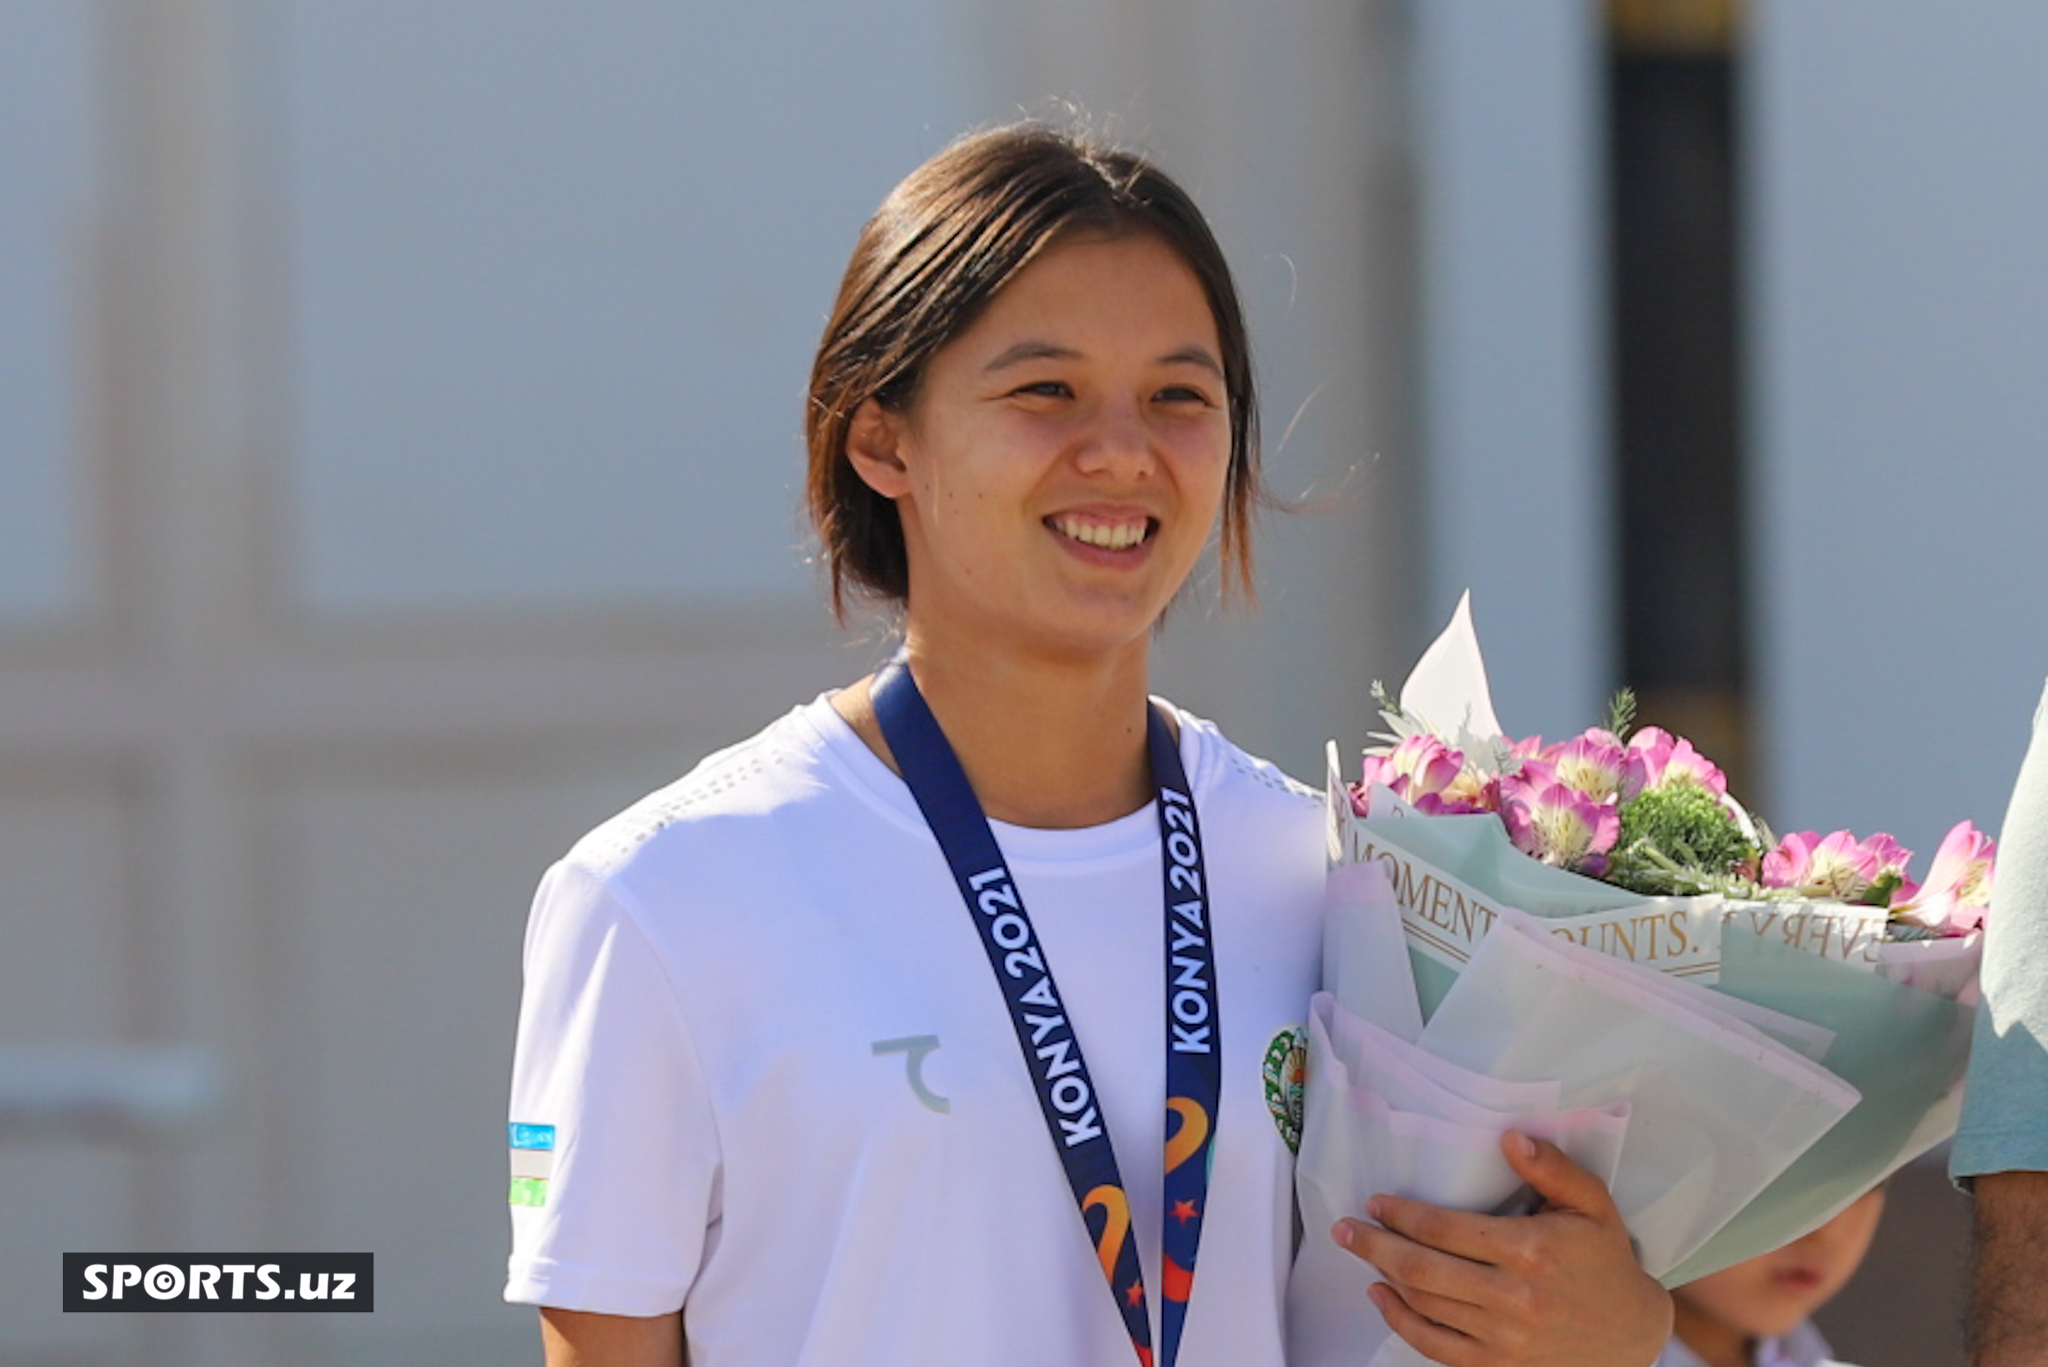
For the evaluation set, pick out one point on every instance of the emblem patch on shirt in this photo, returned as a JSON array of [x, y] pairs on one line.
[[533, 1162], [1286, 1071]]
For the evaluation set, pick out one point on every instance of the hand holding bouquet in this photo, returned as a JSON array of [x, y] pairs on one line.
[[1741, 1033]]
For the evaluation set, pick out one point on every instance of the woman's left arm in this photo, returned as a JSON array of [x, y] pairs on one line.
[[1560, 1287]]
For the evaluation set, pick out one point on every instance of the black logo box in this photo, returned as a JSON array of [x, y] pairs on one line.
[[243, 1283]]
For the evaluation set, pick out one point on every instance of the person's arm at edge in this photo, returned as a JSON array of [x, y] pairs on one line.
[[580, 1338], [2008, 1319]]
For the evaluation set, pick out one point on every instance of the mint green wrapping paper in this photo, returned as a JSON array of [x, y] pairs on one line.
[[1888, 1023], [1904, 1049]]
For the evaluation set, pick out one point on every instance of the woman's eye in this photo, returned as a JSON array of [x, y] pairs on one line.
[[1047, 389], [1185, 394]]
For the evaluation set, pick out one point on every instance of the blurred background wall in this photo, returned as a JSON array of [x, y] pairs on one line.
[[400, 470]]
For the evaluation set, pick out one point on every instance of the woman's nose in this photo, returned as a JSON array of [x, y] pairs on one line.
[[1118, 443]]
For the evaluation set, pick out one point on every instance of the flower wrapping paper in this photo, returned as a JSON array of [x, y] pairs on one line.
[[1766, 1061]]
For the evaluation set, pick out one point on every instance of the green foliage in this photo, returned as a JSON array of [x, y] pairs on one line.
[[1400, 725], [1621, 714], [1678, 839]]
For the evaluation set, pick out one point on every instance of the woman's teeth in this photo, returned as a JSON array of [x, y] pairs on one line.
[[1114, 536]]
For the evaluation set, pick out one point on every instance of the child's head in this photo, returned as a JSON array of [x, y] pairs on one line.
[[1768, 1295]]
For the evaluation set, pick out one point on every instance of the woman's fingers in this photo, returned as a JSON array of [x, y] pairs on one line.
[[1506, 1240], [1562, 1184], [1559, 1288], [1461, 1317], [1434, 1340], [1482, 1240], [1404, 1246]]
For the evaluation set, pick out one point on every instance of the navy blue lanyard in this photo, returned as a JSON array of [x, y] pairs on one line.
[[1066, 1093]]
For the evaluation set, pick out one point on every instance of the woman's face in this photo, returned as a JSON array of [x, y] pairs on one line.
[[1767, 1295], [1064, 459]]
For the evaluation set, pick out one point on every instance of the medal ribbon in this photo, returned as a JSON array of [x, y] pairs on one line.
[[1066, 1092]]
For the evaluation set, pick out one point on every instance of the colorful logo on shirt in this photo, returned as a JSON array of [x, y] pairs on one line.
[[533, 1162], [1286, 1073]]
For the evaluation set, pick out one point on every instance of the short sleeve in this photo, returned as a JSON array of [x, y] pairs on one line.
[[614, 1149], [2005, 1101]]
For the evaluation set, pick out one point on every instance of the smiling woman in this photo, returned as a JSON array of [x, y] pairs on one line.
[[943, 244], [1058, 468], [1080, 914]]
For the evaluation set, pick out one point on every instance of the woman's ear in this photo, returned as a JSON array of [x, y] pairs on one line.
[[874, 447]]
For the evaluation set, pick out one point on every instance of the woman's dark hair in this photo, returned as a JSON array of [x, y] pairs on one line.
[[943, 244]]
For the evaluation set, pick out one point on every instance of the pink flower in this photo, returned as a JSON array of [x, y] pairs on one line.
[[1556, 824], [1469, 792], [1656, 757], [1424, 772], [1426, 764], [1838, 865], [1889, 856], [1958, 887], [1592, 765]]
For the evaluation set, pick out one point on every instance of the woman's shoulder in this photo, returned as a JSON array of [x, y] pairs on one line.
[[1214, 758], [1225, 776], [748, 783]]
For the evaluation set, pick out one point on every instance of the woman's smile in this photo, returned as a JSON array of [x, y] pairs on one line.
[[1103, 533]]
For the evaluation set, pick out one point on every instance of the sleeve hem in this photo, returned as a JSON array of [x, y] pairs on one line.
[[1977, 1156], [603, 1291]]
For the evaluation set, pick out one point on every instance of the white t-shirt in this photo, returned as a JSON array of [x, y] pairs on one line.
[[765, 1074]]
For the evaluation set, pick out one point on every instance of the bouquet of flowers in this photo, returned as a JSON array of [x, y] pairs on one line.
[[1594, 942], [1643, 810]]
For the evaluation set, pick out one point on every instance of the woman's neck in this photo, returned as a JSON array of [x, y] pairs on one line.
[[1044, 742]]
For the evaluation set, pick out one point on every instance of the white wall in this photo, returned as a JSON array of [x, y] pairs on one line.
[[1899, 293], [1511, 132], [49, 146], [554, 275]]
